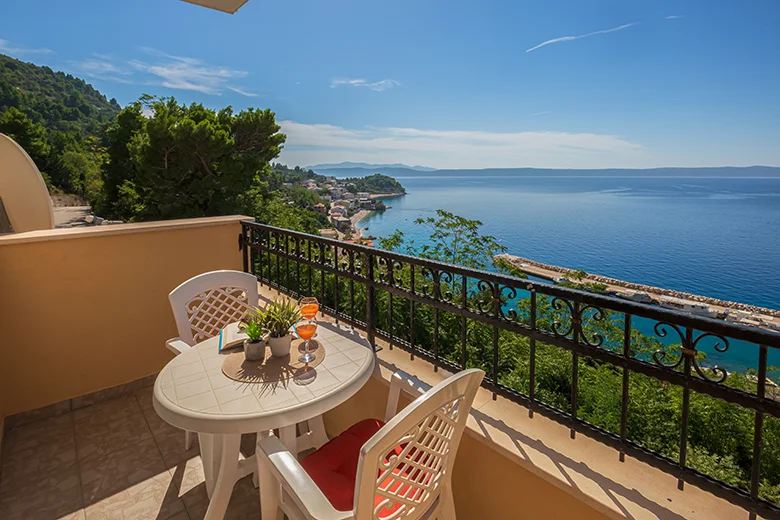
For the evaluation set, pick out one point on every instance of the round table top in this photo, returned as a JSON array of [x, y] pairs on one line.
[[193, 394]]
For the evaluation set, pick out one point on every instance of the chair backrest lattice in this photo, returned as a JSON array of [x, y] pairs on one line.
[[404, 467], [205, 304]]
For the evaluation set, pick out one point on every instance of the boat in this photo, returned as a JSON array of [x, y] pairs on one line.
[[635, 296], [689, 306]]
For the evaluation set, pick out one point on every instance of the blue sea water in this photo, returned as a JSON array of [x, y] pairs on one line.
[[713, 236]]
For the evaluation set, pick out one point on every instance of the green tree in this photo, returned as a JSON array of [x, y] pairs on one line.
[[29, 135], [453, 239], [187, 161]]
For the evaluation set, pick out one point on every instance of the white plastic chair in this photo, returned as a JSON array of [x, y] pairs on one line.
[[404, 470], [204, 305]]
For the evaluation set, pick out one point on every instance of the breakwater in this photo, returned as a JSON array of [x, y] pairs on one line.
[[518, 262]]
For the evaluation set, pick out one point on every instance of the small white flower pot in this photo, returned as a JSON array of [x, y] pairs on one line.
[[254, 350], [280, 347]]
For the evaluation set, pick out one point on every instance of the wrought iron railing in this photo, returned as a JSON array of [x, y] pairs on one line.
[[439, 311]]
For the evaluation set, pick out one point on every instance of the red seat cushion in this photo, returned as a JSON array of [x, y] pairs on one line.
[[334, 468]]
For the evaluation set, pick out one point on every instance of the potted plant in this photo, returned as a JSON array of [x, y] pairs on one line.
[[253, 326], [280, 316]]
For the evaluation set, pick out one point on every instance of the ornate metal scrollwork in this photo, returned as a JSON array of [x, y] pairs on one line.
[[577, 317], [595, 339], [559, 304], [438, 279], [688, 351], [387, 271], [485, 305], [511, 294]]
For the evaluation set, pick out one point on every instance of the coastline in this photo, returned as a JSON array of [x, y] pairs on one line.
[[357, 217], [360, 215], [552, 272], [385, 195]]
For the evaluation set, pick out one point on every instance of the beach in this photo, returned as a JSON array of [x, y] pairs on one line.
[[357, 217]]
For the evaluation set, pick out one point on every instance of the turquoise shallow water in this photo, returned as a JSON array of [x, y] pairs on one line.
[[713, 236]]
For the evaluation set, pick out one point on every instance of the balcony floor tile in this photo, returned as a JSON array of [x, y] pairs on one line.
[[131, 465]]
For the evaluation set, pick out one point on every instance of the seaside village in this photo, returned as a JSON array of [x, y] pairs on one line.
[[344, 207]]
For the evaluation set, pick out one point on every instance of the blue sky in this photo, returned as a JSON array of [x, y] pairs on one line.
[[559, 83]]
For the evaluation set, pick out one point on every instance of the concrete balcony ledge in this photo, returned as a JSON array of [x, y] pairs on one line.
[[118, 229]]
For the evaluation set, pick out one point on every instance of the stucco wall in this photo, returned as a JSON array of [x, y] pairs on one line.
[[86, 309], [486, 484]]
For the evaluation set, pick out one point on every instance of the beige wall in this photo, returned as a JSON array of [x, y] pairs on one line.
[[86, 309], [486, 484]]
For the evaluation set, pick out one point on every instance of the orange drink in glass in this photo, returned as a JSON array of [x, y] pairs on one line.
[[306, 331], [309, 307]]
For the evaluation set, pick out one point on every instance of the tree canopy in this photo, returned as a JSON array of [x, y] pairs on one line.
[[187, 161], [376, 183]]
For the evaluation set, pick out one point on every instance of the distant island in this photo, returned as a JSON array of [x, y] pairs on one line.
[[367, 166], [407, 171]]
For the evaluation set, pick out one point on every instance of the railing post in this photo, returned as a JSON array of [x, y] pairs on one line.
[[370, 303], [243, 247]]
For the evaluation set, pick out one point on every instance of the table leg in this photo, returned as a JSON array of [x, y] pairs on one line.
[[211, 454], [289, 439], [226, 479]]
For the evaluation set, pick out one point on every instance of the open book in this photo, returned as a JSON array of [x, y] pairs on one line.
[[230, 337]]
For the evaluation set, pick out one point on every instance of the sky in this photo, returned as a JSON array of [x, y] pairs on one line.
[[446, 84]]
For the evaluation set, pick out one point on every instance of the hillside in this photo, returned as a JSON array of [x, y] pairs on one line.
[[55, 99], [59, 120]]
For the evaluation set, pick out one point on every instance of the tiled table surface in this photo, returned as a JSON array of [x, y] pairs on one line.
[[193, 385]]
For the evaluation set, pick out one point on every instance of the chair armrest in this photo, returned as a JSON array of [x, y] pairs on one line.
[[177, 345], [296, 482], [409, 384]]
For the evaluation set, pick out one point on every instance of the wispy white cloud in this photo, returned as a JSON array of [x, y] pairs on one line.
[[377, 86], [243, 92], [674, 17], [12, 49], [180, 72], [167, 70], [579, 37], [317, 143], [101, 67], [542, 113]]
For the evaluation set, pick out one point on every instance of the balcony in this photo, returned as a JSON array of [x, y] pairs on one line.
[[85, 316]]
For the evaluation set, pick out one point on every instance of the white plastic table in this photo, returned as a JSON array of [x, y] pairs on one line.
[[193, 394]]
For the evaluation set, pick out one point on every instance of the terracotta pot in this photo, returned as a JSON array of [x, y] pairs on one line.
[[254, 350], [280, 347]]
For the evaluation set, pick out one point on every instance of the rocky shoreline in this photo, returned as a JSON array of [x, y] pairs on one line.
[[518, 260]]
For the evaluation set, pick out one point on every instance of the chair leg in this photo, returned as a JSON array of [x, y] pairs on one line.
[[188, 440], [447, 508]]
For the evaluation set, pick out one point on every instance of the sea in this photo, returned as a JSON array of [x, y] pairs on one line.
[[714, 236]]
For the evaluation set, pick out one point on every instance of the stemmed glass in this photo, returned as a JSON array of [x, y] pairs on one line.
[[307, 329]]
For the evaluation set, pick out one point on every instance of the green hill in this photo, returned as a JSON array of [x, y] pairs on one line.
[[58, 119], [55, 99]]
